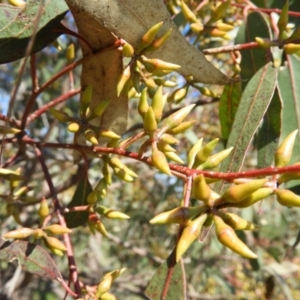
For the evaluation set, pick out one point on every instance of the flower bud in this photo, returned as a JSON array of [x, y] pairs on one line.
[[38, 233], [149, 36], [21, 233], [157, 43], [106, 173], [127, 50], [187, 13], [179, 215], [197, 27], [193, 152], [294, 36], [123, 79], [284, 152], [111, 214], [17, 3], [214, 160], [107, 296], [182, 127], [263, 43], [53, 242], [169, 139], [10, 175], [150, 123], [59, 115], [287, 198], [236, 222], [219, 11], [90, 136], [227, 236], [283, 20], [73, 127], [176, 118], [43, 209], [157, 103], [150, 83], [163, 82], [70, 53], [57, 229], [174, 157], [123, 175], [143, 103], [258, 195], [165, 147], [85, 100], [8, 130], [239, 192], [152, 64], [189, 235], [100, 108], [291, 48], [224, 26], [201, 190], [215, 32], [56, 251], [205, 152], [99, 226], [108, 134], [160, 162], [178, 95]]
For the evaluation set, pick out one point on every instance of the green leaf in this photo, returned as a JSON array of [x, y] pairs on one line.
[[269, 133], [167, 281], [256, 25], [289, 91], [79, 218], [16, 27], [33, 258], [228, 105], [252, 108]]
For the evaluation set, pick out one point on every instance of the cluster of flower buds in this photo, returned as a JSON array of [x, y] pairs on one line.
[[289, 42], [140, 68], [243, 193], [105, 284], [87, 113]]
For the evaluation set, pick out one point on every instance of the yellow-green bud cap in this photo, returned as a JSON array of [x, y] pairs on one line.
[[143, 103], [197, 27], [189, 234], [157, 103], [106, 174], [182, 127], [90, 136], [174, 157], [43, 209], [127, 50], [99, 226], [108, 134], [287, 198], [165, 147], [73, 127], [111, 214], [263, 43], [193, 152], [21, 233], [201, 190], [38, 233], [179, 215], [284, 152], [258, 195], [219, 11], [205, 152], [227, 236], [57, 229], [107, 296], [70, 54], [187, 13], [239, 192], [178, 95], [100, 108], [236, 222], [283, 20], [53, 242], [224, 26], [85, 100], [294, 36], [59, 115], [10, 175], [149, 36], [150, 123], [152, 64], [291, 48], [8, 130], [157, 43], [169, 139], [176, 118], [214, 160], [122, 174], [92, 198], [18, 3], [160, 162], [123, 79]]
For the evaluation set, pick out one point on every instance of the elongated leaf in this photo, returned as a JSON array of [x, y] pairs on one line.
[[167, 281], [252, 108], [31, 257], [131, 19], [269, 133], [228, 105], [288, 83], [254, 59], [16, 27], [78, 218]]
